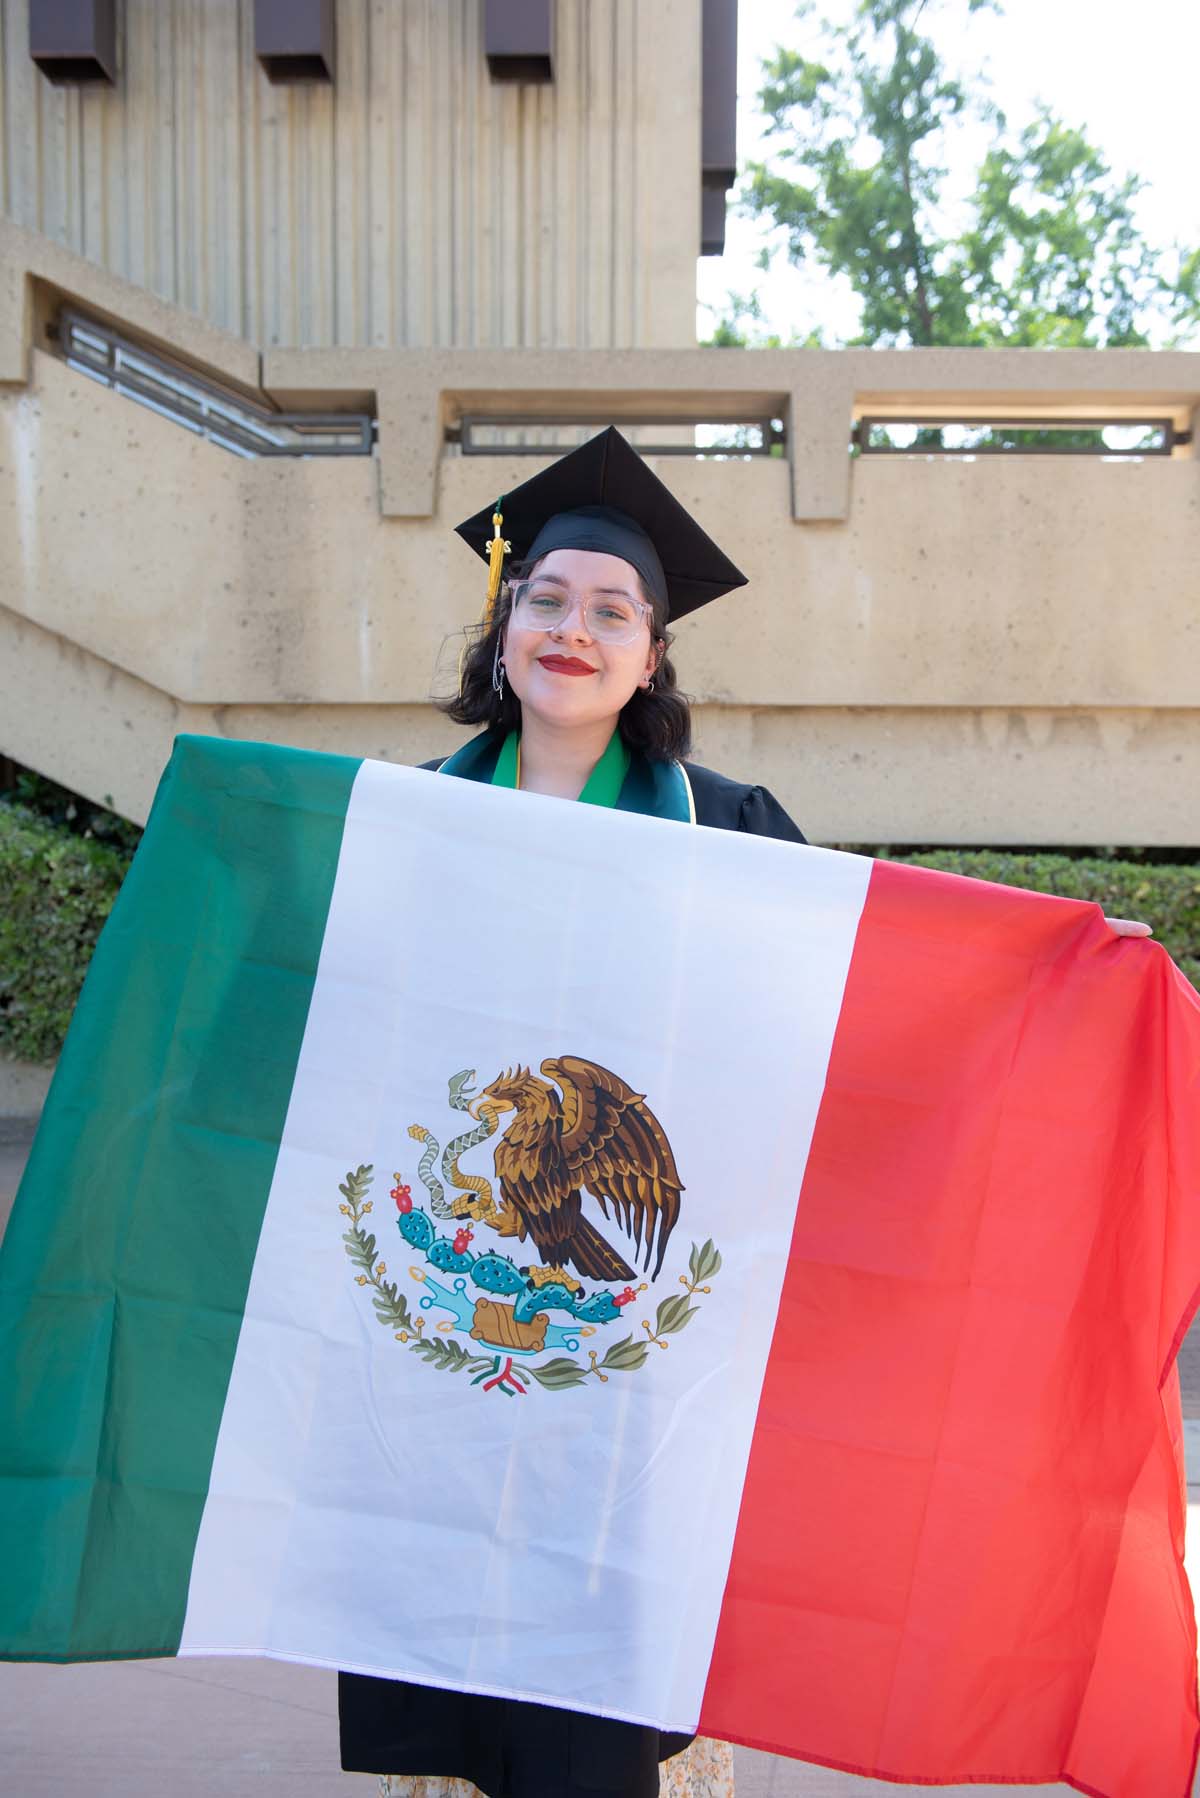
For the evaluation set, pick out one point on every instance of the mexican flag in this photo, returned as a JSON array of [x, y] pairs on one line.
[[546, 1251]]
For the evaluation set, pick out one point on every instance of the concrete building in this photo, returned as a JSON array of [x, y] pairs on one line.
[[253, 331], [412, 197]]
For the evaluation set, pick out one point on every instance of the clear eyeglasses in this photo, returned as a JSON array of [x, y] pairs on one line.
[[607, 617]]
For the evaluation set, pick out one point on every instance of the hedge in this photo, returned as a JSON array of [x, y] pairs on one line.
[[1164, 894], [59, 887]]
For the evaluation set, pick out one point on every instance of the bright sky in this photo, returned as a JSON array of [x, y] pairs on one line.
[[1127, 73]]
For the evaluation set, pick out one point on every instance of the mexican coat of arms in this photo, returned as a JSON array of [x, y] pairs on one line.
[[507, 1319]]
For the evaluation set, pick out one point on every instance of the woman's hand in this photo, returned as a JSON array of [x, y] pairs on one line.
[[1129, 927]]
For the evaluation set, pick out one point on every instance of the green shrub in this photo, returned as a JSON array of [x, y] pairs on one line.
[[57, 889], [59, 805], [1164, 894]]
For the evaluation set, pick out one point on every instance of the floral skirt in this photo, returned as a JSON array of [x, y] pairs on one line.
[[705, 1770]]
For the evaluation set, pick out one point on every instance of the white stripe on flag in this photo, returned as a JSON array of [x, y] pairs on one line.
[[370, 1512]]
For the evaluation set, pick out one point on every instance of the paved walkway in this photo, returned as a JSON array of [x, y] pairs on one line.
[[260, 1729]]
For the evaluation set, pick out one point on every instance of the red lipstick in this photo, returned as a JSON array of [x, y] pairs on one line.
[[566, 665]]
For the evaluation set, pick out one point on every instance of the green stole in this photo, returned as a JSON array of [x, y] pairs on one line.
[[622, 779]]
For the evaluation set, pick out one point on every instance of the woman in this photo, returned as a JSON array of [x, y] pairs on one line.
[[570, 673], [571, 679]]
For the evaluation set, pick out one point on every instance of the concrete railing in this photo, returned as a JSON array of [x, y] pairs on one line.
[[418, 395], [818, 393]]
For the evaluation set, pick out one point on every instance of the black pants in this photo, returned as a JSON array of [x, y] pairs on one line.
[[507, 1749]]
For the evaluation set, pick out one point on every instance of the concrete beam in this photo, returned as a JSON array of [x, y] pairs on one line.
[[37, 274]]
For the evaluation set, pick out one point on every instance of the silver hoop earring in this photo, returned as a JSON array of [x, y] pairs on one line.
[[650, 685], [497, 671]]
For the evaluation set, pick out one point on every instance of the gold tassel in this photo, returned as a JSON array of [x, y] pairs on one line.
[[497, 549]]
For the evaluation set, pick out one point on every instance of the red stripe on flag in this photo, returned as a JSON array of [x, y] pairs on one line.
[[958, 1555]]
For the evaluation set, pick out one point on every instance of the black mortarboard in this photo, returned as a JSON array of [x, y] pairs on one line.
[[602, 496]]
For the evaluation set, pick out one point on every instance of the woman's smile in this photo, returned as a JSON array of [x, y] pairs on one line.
[[557, 664]]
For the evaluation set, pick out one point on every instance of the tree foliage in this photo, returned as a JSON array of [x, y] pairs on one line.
[[866, 180]]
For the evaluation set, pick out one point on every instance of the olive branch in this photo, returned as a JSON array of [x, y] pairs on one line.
[[673, 1314], [446, 1355], [676, 1313], [449, 1356], [389, 1302]]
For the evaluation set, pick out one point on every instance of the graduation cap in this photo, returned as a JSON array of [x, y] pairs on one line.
[[602, 496]]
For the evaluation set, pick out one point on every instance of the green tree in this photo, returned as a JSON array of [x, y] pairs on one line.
[[1048, 251]]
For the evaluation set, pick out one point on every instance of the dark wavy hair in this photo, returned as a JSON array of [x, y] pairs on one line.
[[659, 724]]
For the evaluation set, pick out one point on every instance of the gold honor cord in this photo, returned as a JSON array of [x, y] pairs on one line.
[[497, 549]]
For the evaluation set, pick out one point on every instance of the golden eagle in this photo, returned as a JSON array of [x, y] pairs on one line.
[[600, 1135]]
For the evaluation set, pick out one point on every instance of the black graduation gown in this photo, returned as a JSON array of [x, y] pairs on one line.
[[511, 1749], [725, 804]]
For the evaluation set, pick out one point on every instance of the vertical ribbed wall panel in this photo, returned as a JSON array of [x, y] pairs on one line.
[[413, 203]]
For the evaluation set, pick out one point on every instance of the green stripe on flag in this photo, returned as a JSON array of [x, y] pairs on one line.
[[126, 1263]]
